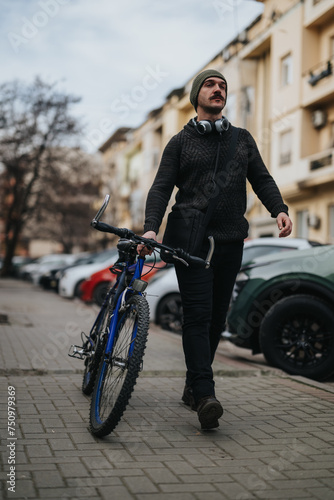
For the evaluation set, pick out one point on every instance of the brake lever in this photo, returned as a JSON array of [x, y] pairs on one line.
[[181, 260], [210, 252]]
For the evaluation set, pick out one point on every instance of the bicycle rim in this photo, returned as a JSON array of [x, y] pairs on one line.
[[118, 372]]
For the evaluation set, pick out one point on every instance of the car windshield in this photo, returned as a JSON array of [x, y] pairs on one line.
[[251, 253]]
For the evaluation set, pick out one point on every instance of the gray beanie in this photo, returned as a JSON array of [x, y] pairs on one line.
[[198, 82]]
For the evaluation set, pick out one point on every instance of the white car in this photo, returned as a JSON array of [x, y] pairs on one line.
[[69, 284], [163, 292], [36, 269]]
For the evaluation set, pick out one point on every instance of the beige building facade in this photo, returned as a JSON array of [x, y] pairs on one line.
[[281, 88]]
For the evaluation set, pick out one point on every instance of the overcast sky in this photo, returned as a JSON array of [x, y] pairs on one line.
[[121, 56]]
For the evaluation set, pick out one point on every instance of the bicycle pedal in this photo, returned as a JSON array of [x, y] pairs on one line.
[[78, 352]]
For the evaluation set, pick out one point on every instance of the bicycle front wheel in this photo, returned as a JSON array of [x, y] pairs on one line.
[[119, 370], [95, 345]]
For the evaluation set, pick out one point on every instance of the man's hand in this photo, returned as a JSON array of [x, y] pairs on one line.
[[284, 224], [142, 249]]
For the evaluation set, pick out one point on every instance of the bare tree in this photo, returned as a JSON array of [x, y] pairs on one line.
[[37, 134], [65, 210]]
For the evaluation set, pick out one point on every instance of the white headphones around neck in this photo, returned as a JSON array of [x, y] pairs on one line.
[[206, 126]]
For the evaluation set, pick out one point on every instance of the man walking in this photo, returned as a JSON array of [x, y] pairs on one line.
[[194, 161]]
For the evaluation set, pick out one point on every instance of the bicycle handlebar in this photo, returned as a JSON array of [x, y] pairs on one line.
[[176, 253]]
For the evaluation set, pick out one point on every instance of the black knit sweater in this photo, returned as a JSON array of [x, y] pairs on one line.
[[188, 162]]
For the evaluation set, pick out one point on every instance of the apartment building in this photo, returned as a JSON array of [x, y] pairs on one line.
[[293, 46], [281, 88]]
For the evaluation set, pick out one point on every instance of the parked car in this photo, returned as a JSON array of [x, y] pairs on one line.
[[163, 291], [70, 282], [50, 279], [165, 301], [94, 288], [282, 306], [36, 269], [265, 246], [18, 261]]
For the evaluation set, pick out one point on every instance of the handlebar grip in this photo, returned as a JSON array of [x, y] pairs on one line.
[[193, 261], [106, 228]]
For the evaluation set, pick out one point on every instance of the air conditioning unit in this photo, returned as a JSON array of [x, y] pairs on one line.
[[319, 118]]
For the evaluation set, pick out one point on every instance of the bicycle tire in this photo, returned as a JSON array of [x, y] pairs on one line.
[[92, 363], [117, 375]]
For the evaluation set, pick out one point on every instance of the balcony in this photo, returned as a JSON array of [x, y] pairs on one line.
[[318, 84], [317, 12], [317, 169], [321, 161]]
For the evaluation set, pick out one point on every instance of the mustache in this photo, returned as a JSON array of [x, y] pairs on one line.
[[215, 96]]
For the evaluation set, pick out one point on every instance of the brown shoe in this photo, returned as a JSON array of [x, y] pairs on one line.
[[209, 410], [188, 398]]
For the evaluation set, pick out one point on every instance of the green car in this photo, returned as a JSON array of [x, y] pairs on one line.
[[283, 306]]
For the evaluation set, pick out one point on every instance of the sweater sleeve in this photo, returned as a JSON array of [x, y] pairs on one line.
[[262, 182], [162, 187]]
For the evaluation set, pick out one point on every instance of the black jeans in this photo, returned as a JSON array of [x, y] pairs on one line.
[[205, 295]]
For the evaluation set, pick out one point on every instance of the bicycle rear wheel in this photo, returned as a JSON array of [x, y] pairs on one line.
[[95, 346], [118, 372]]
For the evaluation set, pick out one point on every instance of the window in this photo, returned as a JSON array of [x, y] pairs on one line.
[[302, 224], [331, 223], [285, 151], [286, 70], [247, 100]]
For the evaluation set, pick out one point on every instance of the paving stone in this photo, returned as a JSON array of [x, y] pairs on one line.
[[50, 479], [61, 444], [161, 475], [77, 470], [108, 492], [321, 493], [140, 484], [185, 488]]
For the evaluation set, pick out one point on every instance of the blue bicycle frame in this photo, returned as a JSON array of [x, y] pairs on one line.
[[121, 296]]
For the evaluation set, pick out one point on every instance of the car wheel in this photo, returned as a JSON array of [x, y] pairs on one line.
[[297, 336], [100, 292], [170, 314]]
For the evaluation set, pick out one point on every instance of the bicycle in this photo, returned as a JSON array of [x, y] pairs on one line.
[[114, 349]]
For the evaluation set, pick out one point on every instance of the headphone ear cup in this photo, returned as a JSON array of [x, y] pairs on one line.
[[222, 125], [204, 127]]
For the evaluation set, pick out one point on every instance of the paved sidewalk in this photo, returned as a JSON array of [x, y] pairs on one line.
[[275, 441]]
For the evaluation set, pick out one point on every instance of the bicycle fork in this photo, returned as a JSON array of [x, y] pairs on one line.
[[120, 362]]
